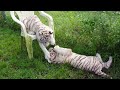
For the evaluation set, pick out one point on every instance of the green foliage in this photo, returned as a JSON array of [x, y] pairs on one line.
[[85, 32], [9, 23]]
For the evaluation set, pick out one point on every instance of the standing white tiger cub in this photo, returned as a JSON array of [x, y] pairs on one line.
[[43, 33], [89, 63]]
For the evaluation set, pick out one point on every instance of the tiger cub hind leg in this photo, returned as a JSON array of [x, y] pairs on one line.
[[102, 74], [98, 55], [108, 63]]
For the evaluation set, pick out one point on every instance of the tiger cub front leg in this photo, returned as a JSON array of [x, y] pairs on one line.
[[31, 33], [46, 52]]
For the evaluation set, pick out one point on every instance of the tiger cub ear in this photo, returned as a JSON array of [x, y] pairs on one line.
[[40, 32]]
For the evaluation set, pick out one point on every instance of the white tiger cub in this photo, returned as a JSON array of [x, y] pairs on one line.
[[89, 63], [43, 33], [35, 26]]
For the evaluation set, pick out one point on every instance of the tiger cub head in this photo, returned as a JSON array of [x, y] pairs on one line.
[[46, 36], [53, 54]]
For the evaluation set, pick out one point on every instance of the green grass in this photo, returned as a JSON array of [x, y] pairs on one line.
[[84, 32]]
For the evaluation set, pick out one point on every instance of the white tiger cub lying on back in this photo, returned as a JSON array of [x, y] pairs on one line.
[[90, 63]]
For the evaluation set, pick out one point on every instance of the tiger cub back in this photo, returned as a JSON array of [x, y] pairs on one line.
[[32, 23]]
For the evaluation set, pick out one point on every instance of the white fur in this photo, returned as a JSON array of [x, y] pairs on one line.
[[36, 27], [90, 63]]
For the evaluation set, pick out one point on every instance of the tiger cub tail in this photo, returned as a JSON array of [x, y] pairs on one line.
[[104, 74], [108, 63]]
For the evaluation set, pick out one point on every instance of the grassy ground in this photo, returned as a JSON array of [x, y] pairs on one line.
[[84, 32]]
